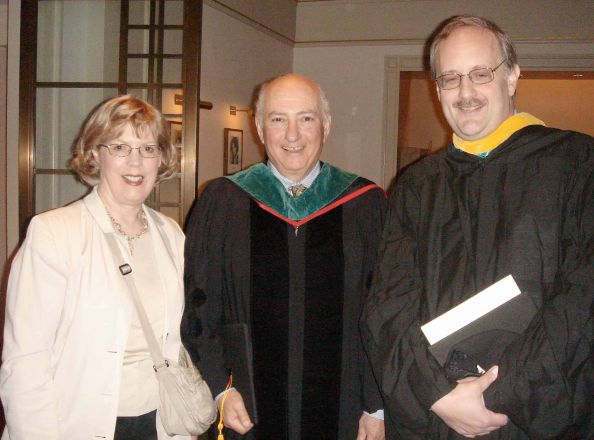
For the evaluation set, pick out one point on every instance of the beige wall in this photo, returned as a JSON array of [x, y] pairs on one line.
[[237, 55], [389, 20], [276, 16]]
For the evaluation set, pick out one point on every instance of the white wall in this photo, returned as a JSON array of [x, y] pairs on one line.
[[236, 57]]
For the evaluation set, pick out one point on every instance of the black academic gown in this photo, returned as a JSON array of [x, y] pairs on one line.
[[457, 223], [300, 288]]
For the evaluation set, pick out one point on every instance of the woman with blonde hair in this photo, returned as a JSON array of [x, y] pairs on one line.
[[76, 364]]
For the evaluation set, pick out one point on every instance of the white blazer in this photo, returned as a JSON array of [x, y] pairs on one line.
[[68, 314]]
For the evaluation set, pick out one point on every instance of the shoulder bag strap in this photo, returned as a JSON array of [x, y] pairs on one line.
[[126, 271]]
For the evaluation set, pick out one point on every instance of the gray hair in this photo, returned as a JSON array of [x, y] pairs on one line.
[[444, 31]]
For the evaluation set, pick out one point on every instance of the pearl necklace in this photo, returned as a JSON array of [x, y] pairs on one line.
[[129, 238]]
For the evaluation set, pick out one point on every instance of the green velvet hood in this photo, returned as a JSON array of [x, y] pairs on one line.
[[263, 186]]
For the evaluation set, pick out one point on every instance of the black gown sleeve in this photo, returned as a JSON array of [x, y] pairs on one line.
[[204, 284], [410, 379], [546, 378], [371, 219]]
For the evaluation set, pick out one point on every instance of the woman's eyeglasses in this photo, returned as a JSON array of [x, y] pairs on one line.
[[122, 150]]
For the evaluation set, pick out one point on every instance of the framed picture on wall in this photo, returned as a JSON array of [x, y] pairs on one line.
[[233, 151], [175, 128], [175, 133]]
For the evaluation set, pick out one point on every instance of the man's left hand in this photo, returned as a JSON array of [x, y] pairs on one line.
[[371, 428], [463, 409]]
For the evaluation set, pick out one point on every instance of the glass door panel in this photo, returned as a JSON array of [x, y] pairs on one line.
[[54, 190], [139, 11], [138, 41], [60, 113], [78, 41], [172, 41], [138, 70], [174, 12], [172, 71]]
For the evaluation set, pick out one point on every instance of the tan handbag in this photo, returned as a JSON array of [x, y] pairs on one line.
[[187, 406], [186, 403]]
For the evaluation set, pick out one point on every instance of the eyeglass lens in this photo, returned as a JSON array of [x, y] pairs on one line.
[[477, 76], [453, 80], [123, 150]]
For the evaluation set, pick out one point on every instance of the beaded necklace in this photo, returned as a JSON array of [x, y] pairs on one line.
[[129, 238]]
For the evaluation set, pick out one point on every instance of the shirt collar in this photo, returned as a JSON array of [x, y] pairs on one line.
[[306, 181]]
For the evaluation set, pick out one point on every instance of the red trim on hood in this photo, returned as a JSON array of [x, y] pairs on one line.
[[324, 210]]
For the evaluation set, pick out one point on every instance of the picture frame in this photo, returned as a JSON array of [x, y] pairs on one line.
[[176, 138], [175, 133], [233, 151]]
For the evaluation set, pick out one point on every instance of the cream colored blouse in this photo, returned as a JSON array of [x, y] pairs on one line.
[[139, 391]]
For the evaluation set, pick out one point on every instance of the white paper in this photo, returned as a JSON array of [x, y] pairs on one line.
[[471, 309]]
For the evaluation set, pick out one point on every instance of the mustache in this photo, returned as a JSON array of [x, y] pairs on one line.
[[468, 103]]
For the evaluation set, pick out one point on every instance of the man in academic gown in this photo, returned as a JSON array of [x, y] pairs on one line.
[[509, 196], [287, 248]]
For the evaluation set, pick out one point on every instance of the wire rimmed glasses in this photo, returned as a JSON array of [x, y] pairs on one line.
[[148, 151], [482, 75]]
